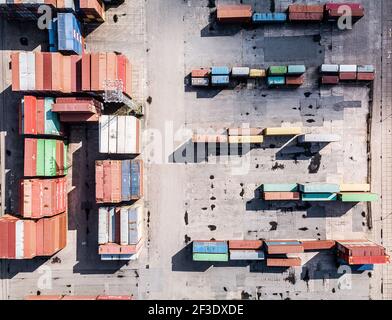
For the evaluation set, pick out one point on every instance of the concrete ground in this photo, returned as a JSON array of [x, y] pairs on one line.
[[207, 195]]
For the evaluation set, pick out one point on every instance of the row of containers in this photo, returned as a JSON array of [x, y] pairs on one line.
[[86, 10], [118, 187], [55, 73], [361, 255], [120, 232], [280, 76], [318, 192], [257, 135], [332, 74], [295, 13]]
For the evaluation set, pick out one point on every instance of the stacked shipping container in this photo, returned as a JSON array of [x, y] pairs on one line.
[[332, 74], [92, 10], [301, 12], [211, 251], [73, 109], [360, 252]]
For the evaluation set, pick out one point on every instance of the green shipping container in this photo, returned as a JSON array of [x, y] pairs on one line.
[[273, 81], [52, 123], [211, 257], [309, 197], [288, 187], [40, 157], [277, 70], [358, 197], [296, 69], [50, 158]]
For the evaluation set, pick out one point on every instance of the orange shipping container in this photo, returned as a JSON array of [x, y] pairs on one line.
[[66, 76], [30, 234], [102, 58], [245, 244], [15, 71], [39, 71], [288, 262], [57, 70], [116, 181], [111, 66], [86, 72]]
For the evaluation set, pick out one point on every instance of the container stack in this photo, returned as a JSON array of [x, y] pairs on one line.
[[245, 136], [315, 192], [292, 75], [118, 180], [77, 109], [332, 74], [356, 193], [300, 12], [361, 252], [36, 117], [119, 135], [200, 77], [334, 11], [210, 251], [220, 76], [250, 250], [65, 34], [280, 253], [92, 10], [58, 74], [120, 232], [234, 13], [277, 17], [26, 239]]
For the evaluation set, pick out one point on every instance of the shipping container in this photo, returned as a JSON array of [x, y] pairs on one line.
[[348, 68], [360, 260], [240, 71], [365, 76], [91, 10], [281, 196], [210, 247], [318, 138], [360, 248], [306, 16], [295, 80], [69, 34], [296, 69], [234, 13], [200, 73], [211, 257], [288, 187], [245, 244], [358, 197], [277, 70], [269, 17], [318, 244], [319, 188], [330, 80], [283, 131], [288, 262], [355, 187], [220, 80], [366, 68], [276, 81], [309, 197], [202, 82], [284, 247], [215, 71], [245, 131], [329, 68], [347, 76], [257, 73], [209, 138], [246, 255], [246, 139], [300, 8]]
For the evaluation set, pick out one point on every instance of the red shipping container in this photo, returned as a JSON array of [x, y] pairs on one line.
[[40, 237], [288, 262], [355, 13], [66, 76], [360, 248], [86, 72], [8, 237], [30, 157], [245, 244], [99, 196], [122, 69], [49, 236], [76, 73], [234, 13], [39, 71], [15, 71], [329, 79], [74, 108], [306, 16], [107, 181], [79, 117], [348, 76], [281, 196], [114, 248], [40, 116], [200, 73], [28, 121], [283, 249], [116, 181], [318, 244], [111, 66], [336, 6], [57, 71], [47, 72], [30, 234], [302, 8], [295, 81], [102, 63], [365, 76]]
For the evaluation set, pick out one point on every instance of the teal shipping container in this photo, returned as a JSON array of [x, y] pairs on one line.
[[309, 197], [296, 69], [276, 81], [286, 187]]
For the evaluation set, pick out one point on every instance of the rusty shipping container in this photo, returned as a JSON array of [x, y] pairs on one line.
[[318, 244], [245, 244], [234, 13], [288, 262]]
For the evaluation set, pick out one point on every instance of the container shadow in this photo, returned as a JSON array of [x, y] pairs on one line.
[[216, 29], [300, 152], [14, 267]]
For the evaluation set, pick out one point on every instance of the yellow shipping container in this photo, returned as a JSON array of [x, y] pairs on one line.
[[355, 187], [246, 139], [257, 73], [282, 131]]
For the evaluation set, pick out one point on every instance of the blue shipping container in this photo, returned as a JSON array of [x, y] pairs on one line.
[[276, 81], [69, 33], [135, 179], [220, 80], [269, 17], [52, 29], [210, 247], [220, 71], [126, 180]]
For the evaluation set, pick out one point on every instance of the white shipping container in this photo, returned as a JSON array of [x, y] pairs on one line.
[[124, 226], [112, 225], [103, 226], [104, 134], [121, 138], [348, 68], [329, 68], [112, 134], [23, 76], [314, 138], [366, 68], [30, 71], [19, 237], [246, 255], [200, 82], [240, 71]]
